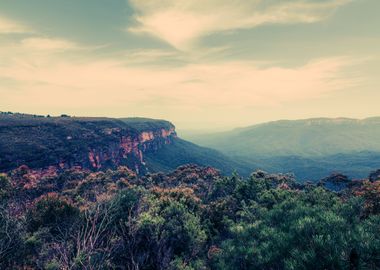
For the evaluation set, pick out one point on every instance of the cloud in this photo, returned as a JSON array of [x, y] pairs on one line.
[[8, 26], [51, 81], [170, 57], [38, 43], [182, 22], [151, 56]]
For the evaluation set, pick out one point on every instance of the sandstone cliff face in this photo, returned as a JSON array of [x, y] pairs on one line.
[[128, 150], [87, 143]]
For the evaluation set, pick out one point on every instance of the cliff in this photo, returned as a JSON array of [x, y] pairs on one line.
[[48, 145], [88, 143]]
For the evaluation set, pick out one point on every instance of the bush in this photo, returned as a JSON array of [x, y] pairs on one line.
[[53, 212]]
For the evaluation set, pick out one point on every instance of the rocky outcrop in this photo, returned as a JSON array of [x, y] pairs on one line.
[[129, 149], [87, 143]]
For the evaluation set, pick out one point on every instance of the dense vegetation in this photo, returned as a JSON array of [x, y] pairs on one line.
[[144, 124], [192, 218], [314, 168], [44, 141]]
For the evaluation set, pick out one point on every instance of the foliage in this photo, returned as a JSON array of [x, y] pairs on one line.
[[10, 239], [5, 187], [146, 124], [52, 212], [190, 219]]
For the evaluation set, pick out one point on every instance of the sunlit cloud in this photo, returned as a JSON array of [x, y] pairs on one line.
[[38, 43], [8, 26], [197, 80], [182, 22], [166, 57], [152, 56], [51, 80]]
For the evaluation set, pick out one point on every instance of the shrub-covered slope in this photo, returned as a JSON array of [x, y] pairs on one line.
[[190, 219]]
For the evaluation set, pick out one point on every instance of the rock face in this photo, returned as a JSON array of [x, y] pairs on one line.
[[128, 149], [88, 143]]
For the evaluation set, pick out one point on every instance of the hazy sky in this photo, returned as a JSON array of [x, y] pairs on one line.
[[203, 64]]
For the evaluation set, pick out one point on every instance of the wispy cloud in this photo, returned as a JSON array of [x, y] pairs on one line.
[[39, 43], [43, 73], [151, 56], [52, 81], [8, 26], [182, 22], [38, 75]]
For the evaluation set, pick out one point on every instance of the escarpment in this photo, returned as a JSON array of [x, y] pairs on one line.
[[128, 148], [87, 143]]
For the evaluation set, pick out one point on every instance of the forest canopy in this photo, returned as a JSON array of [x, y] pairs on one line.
[[192, 218]]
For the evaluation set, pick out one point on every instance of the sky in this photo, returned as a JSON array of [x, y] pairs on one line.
[[202, 64]]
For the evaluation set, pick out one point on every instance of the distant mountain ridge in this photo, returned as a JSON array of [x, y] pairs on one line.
[[310, 148], [308, 137]]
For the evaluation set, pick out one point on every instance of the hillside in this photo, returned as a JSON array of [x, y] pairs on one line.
[[100, 143], [309, 137], [310, 148], [183, 152]]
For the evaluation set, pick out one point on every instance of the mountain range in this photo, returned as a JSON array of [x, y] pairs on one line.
[[307, 138], [310, 148]]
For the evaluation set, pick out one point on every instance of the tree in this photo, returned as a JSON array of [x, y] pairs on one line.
[[5, 188], [10, 239]]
